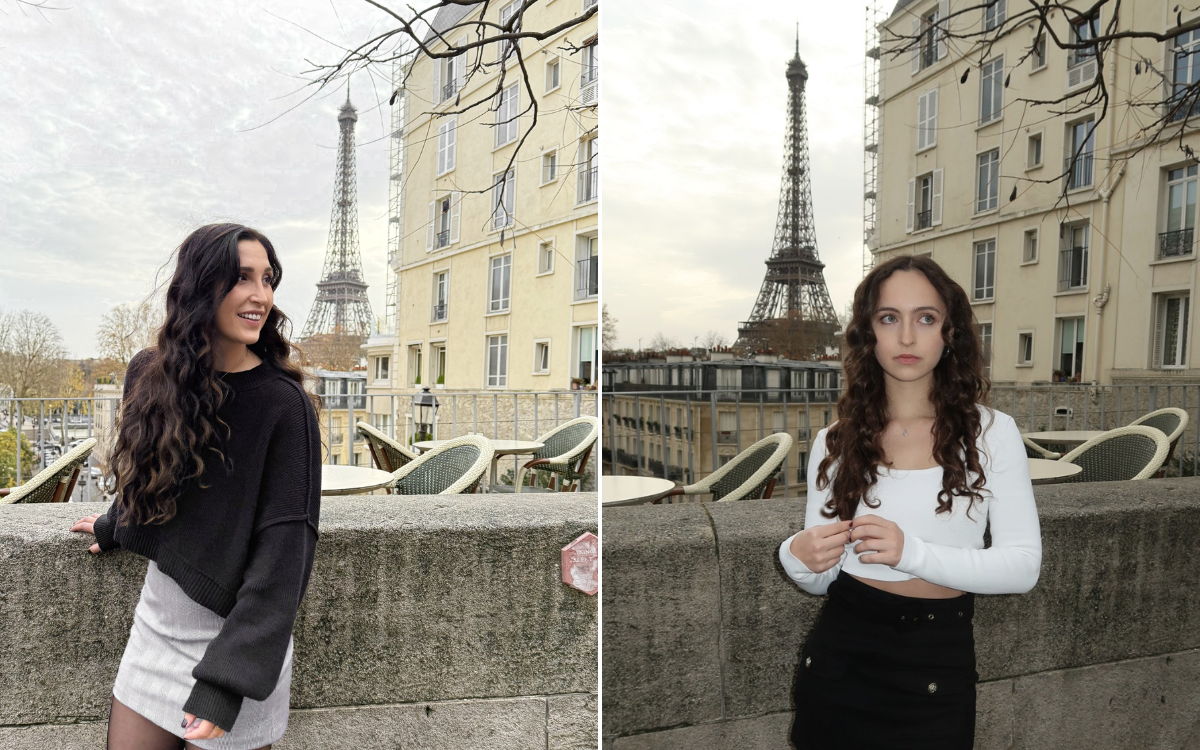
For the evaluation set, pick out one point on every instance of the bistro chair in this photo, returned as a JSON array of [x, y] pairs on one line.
[[1124, 453], [749, 475], [454, 467], [1172, 421], [564, 455], [389, 455], [56, 482], [1033, 450]]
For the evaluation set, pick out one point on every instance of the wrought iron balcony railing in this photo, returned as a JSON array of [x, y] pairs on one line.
[[1175, 244], [449, 90], [1078, 170], [1072, 268], [924, 219], [443, 238], [439, 312]]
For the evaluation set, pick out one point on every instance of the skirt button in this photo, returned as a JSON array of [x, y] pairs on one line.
[[807, 661], [932, 688], [960, 614], [931, 617]]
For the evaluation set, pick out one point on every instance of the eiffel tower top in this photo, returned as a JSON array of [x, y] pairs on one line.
[[796, 67], [348, 112]]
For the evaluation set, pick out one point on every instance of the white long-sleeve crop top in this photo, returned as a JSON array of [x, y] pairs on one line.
[[946, 549]]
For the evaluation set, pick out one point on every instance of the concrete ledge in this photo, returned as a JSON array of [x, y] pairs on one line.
[[411, 600], [1118, 583]]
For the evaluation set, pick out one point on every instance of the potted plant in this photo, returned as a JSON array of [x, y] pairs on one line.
[[417, 381], [1057, 376], [576, 383], [441, 380]]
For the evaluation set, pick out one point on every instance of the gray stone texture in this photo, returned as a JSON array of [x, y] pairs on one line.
[[572, 722], [768, 732], [411, 599], [1118, 582]]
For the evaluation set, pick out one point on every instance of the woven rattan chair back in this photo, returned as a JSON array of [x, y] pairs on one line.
[[1172, 421], [1124, 453], [433, 477], [1033, 450], [389, 455], [563, 441], [748, 461], [57, 481], [565, 451]]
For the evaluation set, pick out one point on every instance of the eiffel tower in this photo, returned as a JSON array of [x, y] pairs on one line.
[[342, 307], [793, 315]]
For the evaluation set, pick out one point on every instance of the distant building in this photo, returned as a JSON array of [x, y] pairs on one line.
[[343, 402]]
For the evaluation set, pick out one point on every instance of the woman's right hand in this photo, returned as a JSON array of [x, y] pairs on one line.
[[820, 547], [87, 526]]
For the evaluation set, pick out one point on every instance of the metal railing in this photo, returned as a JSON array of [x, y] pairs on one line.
[[1078, 170], [924, 219], [589, 185], [1175, 244], [1072, 268], [439, 312], [449, 90], [632, 443], [498, 415], [587, 277], [443, 238]]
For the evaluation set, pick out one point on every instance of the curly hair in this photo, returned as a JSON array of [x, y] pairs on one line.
[[855, 441], [169, 427]]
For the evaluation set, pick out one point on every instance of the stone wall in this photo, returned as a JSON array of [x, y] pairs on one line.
[[429, 622], [702, 627]]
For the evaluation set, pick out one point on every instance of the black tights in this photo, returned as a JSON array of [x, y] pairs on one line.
[[129, 730]]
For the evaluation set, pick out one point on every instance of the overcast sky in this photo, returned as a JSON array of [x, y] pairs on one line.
[[125, 125], [693, 117]]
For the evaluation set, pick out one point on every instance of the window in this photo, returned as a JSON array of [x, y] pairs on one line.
[[503, 193], [446, 136], [925, 201], [1070, 351], [985, 270], [553, 75], [1185, 72], [1181, 213], [991, 90], [931, 45], [988, 193], [500, 284], [448, 75], [777, 421], [382, 422], [1039, 52], [441, 296], [729, 379], [585, 354], [589, 72], [507, 118], [1081, 140], [506, 14], [381, 368], [985, 341], [1171, 329], [541, 357], [927, 105], [549, 167], [1083, 29], [1033, 151], [438, 363], [497, 361], [773, 378], [444, 215], [1030, 246], [587, 267], [1025, 348], [546, 257], [588, 188], [414, 364], [994, 14], [1073, 258]]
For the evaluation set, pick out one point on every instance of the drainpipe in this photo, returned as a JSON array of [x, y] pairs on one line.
[[1101, 299]]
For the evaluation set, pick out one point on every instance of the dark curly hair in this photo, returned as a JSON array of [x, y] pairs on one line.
[[855, 441], [168, 425]]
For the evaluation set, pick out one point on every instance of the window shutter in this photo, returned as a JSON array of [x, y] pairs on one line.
[[931, 114], [944, 20], [441, 159], [915, 53], [455, 214], [451, 138], [437, 81], [510, 195], [935, 216], [429, 230], [912, 198], [460, 70], [1160, 314], [922, 114]]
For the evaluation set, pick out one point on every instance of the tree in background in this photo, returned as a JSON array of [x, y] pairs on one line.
[[8, 458], [662, 342], [337, 351], [32, 354], [608, 333], [123, 332], [714, 340]]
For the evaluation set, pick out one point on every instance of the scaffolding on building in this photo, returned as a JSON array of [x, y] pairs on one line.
[[396, 169], [871, 98]]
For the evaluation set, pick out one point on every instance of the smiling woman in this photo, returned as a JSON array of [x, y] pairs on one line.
[[217, 465]]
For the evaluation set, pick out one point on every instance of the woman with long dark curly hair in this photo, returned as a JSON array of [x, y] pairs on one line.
[[900, 489], [217, 468]]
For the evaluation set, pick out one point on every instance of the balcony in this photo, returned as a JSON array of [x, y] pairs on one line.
[[449, 90], [924, 219], [727, 436], [1072, 268], [1175, 244], [928, 52], [1078, 170], [589, 185], [439, 313], [443, 238], [587, 277]]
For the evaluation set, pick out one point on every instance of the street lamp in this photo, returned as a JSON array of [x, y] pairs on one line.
[[424, 415]]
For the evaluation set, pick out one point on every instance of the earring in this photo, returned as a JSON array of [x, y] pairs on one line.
[[945, 351]]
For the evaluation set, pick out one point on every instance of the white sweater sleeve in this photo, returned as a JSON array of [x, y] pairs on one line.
[[1012, 564], [813, 583]]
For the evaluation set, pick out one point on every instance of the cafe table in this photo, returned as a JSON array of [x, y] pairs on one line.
[[352, 480], [616, 490], [501, 447], [1046, 471]]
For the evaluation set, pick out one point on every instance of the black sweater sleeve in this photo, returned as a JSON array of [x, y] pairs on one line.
[[246, 657], [106, 525]]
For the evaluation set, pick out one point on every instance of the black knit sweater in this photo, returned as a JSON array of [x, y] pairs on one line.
[[242, 545]]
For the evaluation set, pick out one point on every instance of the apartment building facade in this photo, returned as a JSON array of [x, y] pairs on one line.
[[494, 243], [1073, 237]]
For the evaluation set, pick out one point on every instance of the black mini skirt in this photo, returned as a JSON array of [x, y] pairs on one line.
[[880, 670]]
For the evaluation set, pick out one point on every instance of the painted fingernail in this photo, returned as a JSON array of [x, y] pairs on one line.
[[183, 724]]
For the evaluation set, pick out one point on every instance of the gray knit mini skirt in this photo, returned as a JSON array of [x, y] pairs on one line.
[[169, 636]]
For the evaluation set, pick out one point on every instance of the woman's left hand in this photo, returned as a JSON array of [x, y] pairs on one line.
[[882, 540], [200, 729]]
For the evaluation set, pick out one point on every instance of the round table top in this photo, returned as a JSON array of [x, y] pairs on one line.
[[351, 480], [1046, 471], [1064, 436], [631, 490], [502, 447]]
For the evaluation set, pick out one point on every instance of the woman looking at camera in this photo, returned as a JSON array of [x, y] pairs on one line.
[[900, 489], [217, 468]]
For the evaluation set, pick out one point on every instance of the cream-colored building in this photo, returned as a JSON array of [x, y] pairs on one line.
[[1092, 275], [495, 259]]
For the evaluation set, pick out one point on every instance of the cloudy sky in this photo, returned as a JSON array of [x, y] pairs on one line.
[[125, 125], [693, 118]]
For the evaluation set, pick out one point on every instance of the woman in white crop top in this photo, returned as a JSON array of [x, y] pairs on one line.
[[900, 490]]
